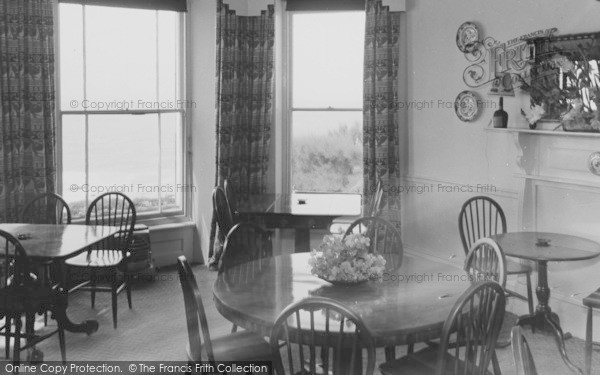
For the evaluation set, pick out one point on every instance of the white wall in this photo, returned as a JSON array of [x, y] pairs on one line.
[[201, 86], [441, 149]]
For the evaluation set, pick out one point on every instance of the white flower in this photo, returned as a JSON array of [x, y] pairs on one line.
[[346, 260], [534, 114]]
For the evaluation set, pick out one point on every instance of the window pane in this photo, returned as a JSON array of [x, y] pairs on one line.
[[170, 137], [123, 156], [73, 163], [327, 152], [121, 55], [168, 58], [327, 59], [71, 56]]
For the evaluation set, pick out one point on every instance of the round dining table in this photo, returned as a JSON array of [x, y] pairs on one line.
[[407, 305], [544, 247]]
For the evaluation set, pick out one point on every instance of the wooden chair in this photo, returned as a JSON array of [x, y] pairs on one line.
[[47, 208], [245, 243], [385, 238], [524, 363], [22, 295], [320, 335], [223, 212], [486, 262], [109, 256], [483, 217], [468, 337], [372, 208], [239, 346], [231, 198], [591, 302]]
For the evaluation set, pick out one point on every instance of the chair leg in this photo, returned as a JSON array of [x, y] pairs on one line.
[[588, 343], [529, 293], [128, 289], [93, 286], [7, 331], [113, 293], [495, 364], [29, 327], [61, 342], [234, 328], [17, 341]]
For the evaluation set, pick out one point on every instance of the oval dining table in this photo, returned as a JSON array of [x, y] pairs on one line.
[[408, 305]]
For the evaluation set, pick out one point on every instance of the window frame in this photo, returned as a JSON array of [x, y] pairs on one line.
[[289, 109], [152, 218]]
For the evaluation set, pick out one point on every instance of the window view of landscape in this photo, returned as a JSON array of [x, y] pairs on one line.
[[327, 152], [327, 101], [121, 108]]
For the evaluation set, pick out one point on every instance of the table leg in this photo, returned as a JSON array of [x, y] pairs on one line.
[[60, 314], [302, 240], [544, 319], [60, 308]]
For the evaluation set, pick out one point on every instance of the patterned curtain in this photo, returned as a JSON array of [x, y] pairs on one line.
[[27, 135], [244, 100], [381, 150]]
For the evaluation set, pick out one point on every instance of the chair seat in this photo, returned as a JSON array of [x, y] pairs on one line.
[[514, 267], [593, 300], [96, 258], [422, 362], [238, 346]]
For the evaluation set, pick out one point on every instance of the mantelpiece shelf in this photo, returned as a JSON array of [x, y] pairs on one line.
[[559, 133]]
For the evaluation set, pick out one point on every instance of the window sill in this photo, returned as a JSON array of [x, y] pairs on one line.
[[158, 223]]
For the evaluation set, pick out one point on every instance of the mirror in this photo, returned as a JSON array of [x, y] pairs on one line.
[[565, 73]]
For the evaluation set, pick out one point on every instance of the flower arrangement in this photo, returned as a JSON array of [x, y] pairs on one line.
[[346, 260]]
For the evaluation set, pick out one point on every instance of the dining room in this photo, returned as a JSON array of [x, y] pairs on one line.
[[344, 186]]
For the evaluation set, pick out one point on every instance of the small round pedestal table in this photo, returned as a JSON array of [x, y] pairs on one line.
[[544, 247]]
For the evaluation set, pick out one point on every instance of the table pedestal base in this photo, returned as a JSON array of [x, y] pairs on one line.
[[544, 319]]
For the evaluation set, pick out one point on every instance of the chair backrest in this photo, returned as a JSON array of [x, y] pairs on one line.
[[47, 208], [374, 206], [480, 217], [471, 330], [486, 261], [197, 325], [231, 197], [15, 265], [245, 243], [524, 363], [222, 212], [113, 209], [385, 238], [320, 333]]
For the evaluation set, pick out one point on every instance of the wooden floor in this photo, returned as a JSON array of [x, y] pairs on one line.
[[155, 328]]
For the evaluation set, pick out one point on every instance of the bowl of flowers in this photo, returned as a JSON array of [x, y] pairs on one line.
[[346, 261]]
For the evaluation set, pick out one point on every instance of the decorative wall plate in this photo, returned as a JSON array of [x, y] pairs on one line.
[[594, 163], [465, 106], [467, 37]]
